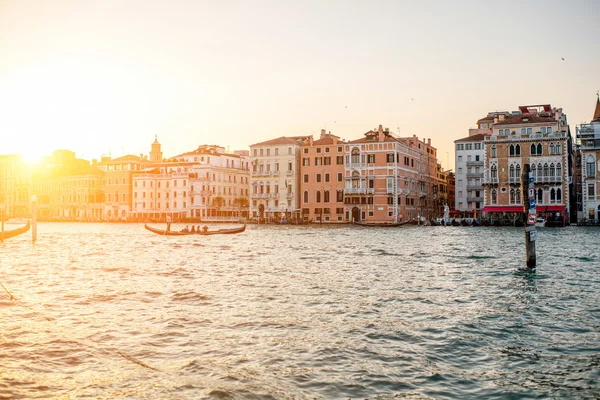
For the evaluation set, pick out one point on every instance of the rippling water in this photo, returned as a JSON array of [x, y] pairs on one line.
[[114, 311]]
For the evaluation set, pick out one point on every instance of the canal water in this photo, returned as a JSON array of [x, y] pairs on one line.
[[113, 311]]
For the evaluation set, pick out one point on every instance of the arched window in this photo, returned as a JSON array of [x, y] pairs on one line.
[[493, 151], [532, 149], [518, 196], [558, 195], [518, 171], [511, 151], [539, 172], [552, 195], [533, 169], [590, 167], [558, 172], [551, 148], [318, 196], [512, 172], [545, 169], [518, 150], [557, 148], [494, 171], [513, 196], [355, 156], [540, 196], [326, 196], [305, 196], [552, 169], [539, 149], [494, 196]]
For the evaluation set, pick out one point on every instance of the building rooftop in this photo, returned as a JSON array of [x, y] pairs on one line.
[[282, 140], [526, 119], [474, 138]]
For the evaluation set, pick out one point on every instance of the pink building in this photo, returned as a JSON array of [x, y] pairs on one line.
[[388, 179], [322, 179]]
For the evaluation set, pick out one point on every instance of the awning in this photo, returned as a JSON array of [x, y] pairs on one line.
[[550, 208], [503, 209], [454, 212]]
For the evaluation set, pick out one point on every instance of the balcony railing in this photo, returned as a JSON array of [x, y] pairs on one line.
[[261, 195], [355, 190], [290, 173], [475, 187], [261, 173], [543, 179], [475, 199], [355, 166], [514, 179], [275, 173], [474, 163], [488, 180], [474, 174]]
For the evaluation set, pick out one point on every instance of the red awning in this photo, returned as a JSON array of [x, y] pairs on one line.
[[503, 209], [550, 208], [454, 212]]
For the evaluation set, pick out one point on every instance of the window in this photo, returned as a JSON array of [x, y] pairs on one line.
[[533, 148], [276, 151], [318, 160], [459, 159], [305, 161], [539, 149], [340, 196], [289, 150], [305, 197], [540, 196], [371, 158], [318, 178], [494, 196], [477, 146], [493, 150], [290, 167], [326, 178], [511, 151], [318, 196], [518, 150], [390, 157], [590, 167], [591, 191], [339, 160], [305, 178], [306, 151], [460, 147], [355, 158], [477, 158], [326, 160], [326, 196], [318, 149]]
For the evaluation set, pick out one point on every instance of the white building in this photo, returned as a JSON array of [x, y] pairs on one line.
[[588, 139], [275, 178], [469, 173], [206, 183]]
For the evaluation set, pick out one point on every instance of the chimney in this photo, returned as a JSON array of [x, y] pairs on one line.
[[429, 141], [380, 133], [323, 132]]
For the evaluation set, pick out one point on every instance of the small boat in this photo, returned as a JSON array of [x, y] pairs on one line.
[[380, 224], [465, 222], [14, 232], [540, 222], [165, 232], [455, 222]]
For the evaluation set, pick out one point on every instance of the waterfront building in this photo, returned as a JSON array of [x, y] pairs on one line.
[[15, 179], [469, 173], [117, 184], [322, 183], [588, 143], [451, 179], [442, 190], [206, 183], [537, 135], [275, 178], [389, 179]]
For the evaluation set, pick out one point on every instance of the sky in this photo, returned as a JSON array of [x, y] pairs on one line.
[[104, 77]]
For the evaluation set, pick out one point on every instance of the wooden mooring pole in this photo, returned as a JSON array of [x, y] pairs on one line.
[[528, 185]]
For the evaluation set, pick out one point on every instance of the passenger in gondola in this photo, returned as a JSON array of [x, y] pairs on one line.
[[186, 229], [205, 228], [193, 229]]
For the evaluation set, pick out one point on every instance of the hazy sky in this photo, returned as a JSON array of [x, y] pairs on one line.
[[100, 77]]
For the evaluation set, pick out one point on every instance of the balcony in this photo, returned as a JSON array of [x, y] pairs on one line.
[[474, 163], [475, 187], [475, 199], [548, 179], [289, 195], [261, 173], [261, 195], [515, 180], [488, 181], [474, 174], [290, 173], [355, 190], [355, 166], [275, 173]]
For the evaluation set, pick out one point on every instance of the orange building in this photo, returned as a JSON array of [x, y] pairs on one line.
[[322, 179]]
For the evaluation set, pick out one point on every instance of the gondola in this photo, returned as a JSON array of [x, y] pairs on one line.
[[380, 224], [14, 232], [165, 232]]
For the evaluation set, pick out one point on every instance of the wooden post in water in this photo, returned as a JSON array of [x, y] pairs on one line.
[[527, 183], [2, 231], [34, 219]]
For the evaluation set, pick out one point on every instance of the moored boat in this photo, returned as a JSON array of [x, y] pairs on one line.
[[380, 224], [14, 232], [166, 232]]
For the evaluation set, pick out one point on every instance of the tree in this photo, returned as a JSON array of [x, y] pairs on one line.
[[242, 204], [218, 203]]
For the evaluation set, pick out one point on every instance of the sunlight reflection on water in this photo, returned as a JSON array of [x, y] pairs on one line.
[[299, 312]]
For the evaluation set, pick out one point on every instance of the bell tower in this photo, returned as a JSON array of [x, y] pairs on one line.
[[155, 153]]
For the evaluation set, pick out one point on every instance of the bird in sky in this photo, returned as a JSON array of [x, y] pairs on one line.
[[563, 59]]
